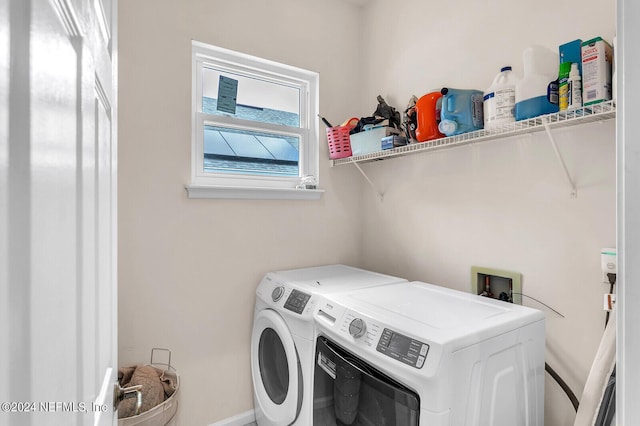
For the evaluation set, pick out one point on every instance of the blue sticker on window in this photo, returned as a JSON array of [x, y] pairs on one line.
[[227, 94]]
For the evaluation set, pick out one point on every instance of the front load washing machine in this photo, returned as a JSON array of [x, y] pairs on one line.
[[284, 337], [418, 354]]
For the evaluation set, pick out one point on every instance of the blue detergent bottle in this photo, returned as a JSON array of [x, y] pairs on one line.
[[537, 91], [462, 111]]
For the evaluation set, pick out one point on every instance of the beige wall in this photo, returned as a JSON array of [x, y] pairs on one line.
[[188, 268], [501, 204]]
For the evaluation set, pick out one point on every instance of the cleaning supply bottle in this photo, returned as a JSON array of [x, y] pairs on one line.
[[428, 117], [537, 91], [500, 100], [575, 88], [563, 86], [461, 111]]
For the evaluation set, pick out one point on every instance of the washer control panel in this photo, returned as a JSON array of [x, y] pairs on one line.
[[297, 301], [405, 349]]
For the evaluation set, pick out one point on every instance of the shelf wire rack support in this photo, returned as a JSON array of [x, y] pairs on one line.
[[574, 191], [379, 193]]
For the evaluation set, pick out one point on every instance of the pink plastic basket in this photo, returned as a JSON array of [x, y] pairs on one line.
[[339, 143]]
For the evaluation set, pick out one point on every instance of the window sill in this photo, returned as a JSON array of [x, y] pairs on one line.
[[229, 192]]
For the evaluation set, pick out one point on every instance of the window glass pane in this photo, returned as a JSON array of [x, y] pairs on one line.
[[250, 152], [255, 126], [249, 98]]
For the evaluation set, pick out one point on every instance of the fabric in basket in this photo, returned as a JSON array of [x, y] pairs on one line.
[[153, 391]]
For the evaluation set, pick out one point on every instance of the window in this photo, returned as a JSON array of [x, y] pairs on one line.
[[255, 127]]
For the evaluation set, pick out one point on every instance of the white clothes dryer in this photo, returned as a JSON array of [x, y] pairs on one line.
[[284, 337], [417, 354]]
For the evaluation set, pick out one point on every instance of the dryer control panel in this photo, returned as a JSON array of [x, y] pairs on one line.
[[405, 349], [297, 301]]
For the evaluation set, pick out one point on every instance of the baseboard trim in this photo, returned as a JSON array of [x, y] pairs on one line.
[[237, 420]]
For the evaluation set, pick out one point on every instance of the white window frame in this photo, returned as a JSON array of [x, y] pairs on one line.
[[228, 185]]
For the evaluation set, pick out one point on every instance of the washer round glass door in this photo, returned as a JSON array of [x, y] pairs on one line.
[[274, 368]]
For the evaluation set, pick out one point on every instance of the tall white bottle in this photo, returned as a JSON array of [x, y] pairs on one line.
[[575, 88], [500, 100]]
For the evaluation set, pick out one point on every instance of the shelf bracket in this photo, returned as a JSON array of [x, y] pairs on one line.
[[574, 191], [380, 194]]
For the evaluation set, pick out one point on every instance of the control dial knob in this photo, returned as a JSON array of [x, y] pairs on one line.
[[357, 328], [277, 293]]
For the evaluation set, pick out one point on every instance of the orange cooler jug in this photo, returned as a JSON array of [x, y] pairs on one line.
[[428, 117]]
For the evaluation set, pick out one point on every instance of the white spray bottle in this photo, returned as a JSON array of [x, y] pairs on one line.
[[575, 88]]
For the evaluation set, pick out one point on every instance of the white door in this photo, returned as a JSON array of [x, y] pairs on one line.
[[57, 212]]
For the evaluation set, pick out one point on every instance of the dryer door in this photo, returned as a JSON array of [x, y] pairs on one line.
[[275, 368]]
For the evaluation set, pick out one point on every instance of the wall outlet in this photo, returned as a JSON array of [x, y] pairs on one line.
[[608, 263]]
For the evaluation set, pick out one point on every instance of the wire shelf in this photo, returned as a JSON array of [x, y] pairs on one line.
[[591, 113]]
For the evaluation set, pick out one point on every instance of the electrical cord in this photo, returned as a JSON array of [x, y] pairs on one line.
[[541, 302], [563, 385], [612, 283]]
